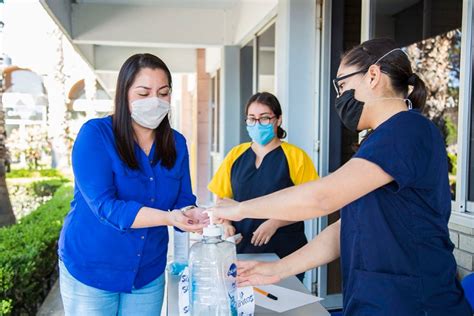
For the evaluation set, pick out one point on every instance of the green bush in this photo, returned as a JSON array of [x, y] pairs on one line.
[[27, 173], [28, 257], [47, 187], [453, 158]]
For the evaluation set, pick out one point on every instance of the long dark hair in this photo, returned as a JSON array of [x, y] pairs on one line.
[[272, 102], [396, 65], [165, 148]]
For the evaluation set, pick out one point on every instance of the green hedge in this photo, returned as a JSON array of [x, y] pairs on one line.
[[47, 187], [28, 256], [27, 173]]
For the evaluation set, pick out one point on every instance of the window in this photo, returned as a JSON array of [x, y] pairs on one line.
[[266, 61], [257, 69], [430, 32]]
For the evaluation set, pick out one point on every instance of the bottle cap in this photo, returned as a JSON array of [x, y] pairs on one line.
[[212, 230]]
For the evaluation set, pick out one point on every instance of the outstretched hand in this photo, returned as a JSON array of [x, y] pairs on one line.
[[226, 209], [256, 273]]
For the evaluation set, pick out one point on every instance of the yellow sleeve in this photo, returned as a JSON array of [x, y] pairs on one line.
[[301, 166], [220, 183]]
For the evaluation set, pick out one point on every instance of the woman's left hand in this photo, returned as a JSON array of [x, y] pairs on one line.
[[178, 219], [263, 234], [198, 215], [257, 273]]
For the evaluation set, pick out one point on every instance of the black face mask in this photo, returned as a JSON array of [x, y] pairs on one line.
[[349, 109]]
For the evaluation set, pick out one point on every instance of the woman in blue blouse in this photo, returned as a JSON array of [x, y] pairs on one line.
[[131, 182], [394, 196]]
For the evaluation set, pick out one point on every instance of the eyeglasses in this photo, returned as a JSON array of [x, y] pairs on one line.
[[264, 120], [337, 79]]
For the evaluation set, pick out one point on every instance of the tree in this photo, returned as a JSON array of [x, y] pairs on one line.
[[7, 217], [55, 85]]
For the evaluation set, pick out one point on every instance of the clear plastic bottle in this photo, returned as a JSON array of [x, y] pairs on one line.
[[213, 271]]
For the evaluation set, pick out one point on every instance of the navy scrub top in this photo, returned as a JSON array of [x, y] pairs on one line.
[[396, 253], [239, 179]]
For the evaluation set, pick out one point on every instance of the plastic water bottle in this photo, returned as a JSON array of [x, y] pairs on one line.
[[213, 271]]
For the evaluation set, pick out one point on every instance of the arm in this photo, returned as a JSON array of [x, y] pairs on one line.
[[150, 217], [95, 182], [193, 219], [277, 223], [312, 199], [323, 249]]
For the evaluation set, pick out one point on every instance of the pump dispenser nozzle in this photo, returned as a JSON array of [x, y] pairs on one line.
[[212, 230]]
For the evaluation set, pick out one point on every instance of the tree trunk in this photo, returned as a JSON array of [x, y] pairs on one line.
[[57, 125]]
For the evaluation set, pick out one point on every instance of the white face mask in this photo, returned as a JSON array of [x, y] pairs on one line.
[[149, 112]]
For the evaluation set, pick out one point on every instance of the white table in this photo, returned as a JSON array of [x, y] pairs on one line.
[[293, 283]]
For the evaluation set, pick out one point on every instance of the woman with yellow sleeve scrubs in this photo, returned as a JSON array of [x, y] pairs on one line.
[[261, 167]]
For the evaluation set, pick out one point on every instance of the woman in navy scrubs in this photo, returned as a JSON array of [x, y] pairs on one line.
[[263, 166], [393, 236]]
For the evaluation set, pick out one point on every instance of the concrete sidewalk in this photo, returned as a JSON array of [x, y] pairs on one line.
[[52, 305]]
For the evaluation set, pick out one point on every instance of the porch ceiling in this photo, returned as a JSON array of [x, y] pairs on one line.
[[106, 32]]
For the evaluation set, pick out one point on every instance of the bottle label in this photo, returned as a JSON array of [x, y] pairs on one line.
[[231, 288], [183, 290], [245, 301]]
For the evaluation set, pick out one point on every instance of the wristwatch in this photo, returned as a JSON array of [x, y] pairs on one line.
[[186, 208]]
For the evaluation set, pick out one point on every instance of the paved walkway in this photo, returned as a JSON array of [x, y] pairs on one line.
[[52, 306]]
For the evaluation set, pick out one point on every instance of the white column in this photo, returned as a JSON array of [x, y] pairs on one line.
[[230, 114], [295, 55], [296, 81]]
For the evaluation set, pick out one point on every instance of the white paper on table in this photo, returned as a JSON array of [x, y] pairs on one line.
[[287, 299]]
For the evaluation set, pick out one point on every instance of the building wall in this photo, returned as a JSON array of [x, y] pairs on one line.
[[463, 240], [195, 125], [203, 136]]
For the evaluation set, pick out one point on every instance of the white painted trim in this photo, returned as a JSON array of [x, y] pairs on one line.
[[469, 209], [264, 24], [367, 20], [464, 114], [323, 86], [463, 219], [454, 206]]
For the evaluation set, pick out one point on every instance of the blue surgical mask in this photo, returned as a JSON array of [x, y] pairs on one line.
[[261, 134]]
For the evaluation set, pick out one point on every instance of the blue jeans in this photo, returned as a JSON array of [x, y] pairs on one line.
[[81, 299]]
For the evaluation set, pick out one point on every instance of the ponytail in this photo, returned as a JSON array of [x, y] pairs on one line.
[[281, 133], [418, 94]]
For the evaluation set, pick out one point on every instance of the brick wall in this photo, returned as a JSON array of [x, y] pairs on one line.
[[463, 239]]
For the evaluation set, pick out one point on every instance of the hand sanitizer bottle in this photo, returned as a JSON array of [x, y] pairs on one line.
[[213, 272]]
